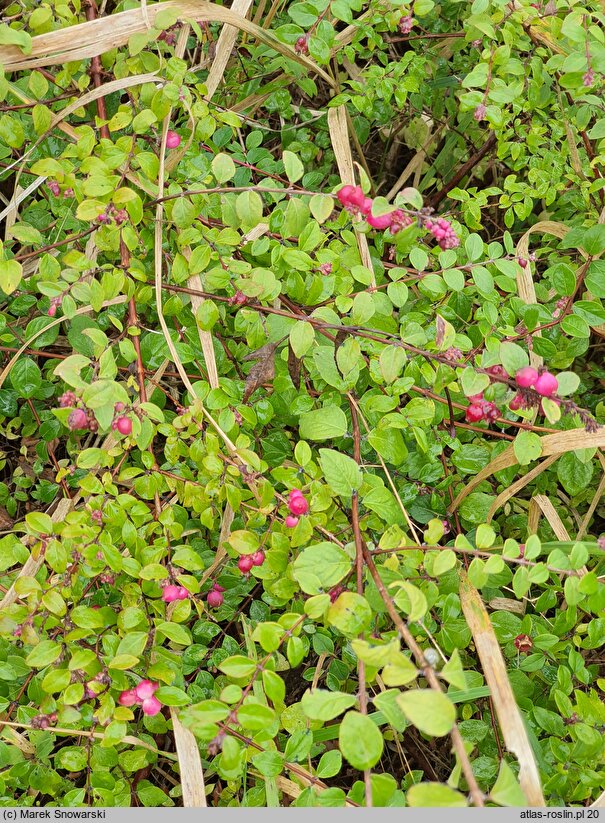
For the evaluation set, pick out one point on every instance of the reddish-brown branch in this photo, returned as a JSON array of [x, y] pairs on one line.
[[361, 669], [464, 169], [428, 672]]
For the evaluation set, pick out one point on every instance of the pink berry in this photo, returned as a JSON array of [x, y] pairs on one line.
[[381, 222], [516, 403], [128, 698], [546, 384], [522, 262], [526, 377], [78, 419], [151, 706], [291, 521], [215, 599], [366, 206], [173, 140], [258, 558], [119, 407], [295, 493], [245, 563], [218, 588], [490, 411], [298, 505], [52, 310], [145, 689], [182, 593], [170, 593], [474, 413], [476, 398], [124, 425]]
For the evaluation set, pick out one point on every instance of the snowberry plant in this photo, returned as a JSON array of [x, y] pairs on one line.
[[301, 404]]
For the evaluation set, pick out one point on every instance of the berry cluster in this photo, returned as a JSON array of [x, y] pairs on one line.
[[443, 233], [481, 409], [54, 305], [406, 24], [215, 596], [302, 44], [238, 299], [112, 215], [543, 383], [354, 201], [142, 695], [298, 504], [247, 561], [170, 593]]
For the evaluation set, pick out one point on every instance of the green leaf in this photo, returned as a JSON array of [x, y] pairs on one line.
[[434, 795], [506, 790], [513, 357], [302, 336], [11, 272], [249, 208], [428, 710], [527, 447], [45, 653], [321, 704], [327, 423], [350, 614], [26, 377], [453, 672], [360, 741], [293, 166], [238, 666], [473, 382], [223, 168], [342, 473], [322, 206], [317, 568]]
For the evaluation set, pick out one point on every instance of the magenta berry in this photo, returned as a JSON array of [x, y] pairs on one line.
[[182, 593], [546, 384], [405, 24], [151, 706], [128, 698], [298, 505], [215, 599], [526, 377], [291, 521], [245, 563], [383, 221], [173, 140], [119, 407], [78, 419], [474, 413], [124, 425], [170, 593], [258, 558], [366, 206]]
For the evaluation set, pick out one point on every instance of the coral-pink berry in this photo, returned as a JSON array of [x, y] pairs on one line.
[[151, 706], [128, 698], [258, 558], [145, 689], [291, 521], [526, 377], [124, 425], [474, 413], [547, 384]]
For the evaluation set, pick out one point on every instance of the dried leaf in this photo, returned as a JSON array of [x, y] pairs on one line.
[[294, 367], [263, 371]]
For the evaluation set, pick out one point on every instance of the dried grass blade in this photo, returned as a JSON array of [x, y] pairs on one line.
[[507, 711], [190, 764], [552, 444]]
